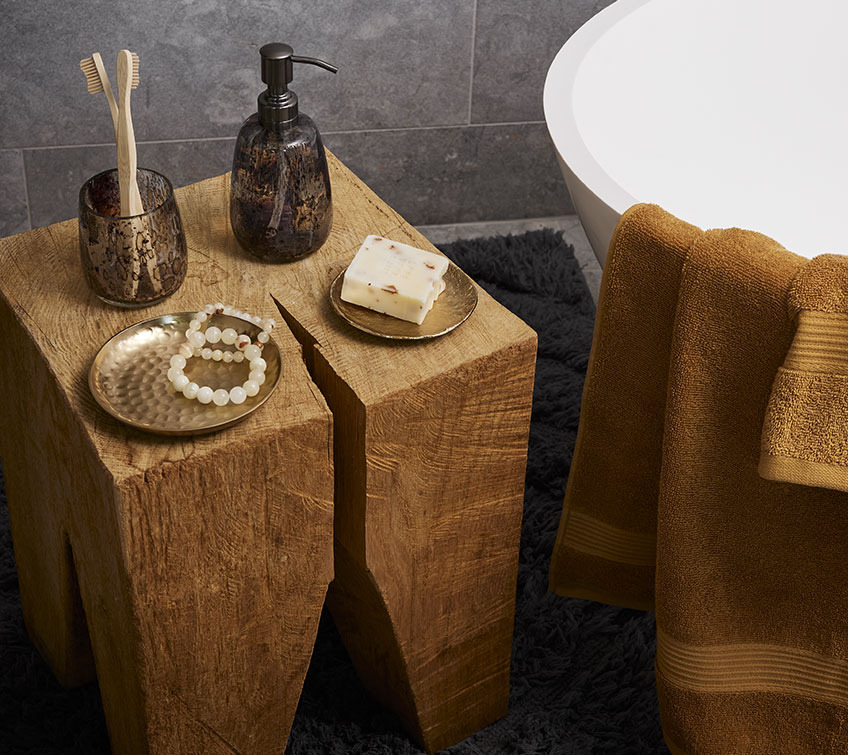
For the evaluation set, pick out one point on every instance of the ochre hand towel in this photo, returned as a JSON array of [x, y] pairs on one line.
[[749, 590], [805, 433]]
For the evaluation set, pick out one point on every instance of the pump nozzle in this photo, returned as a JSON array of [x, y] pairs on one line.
[[315, 62], [278, 104]]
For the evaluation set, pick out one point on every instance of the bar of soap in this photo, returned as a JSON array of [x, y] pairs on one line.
[[395, 279]]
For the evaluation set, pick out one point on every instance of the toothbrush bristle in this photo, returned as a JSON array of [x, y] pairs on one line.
[[135, 78], [95, 85]]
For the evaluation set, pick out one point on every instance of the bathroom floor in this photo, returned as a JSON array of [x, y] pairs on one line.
[[572, 233]]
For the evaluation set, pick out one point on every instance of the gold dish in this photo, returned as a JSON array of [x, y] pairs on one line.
[[128, 377], [453, 307]]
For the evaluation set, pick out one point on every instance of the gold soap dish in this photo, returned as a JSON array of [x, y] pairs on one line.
[[453, 307]]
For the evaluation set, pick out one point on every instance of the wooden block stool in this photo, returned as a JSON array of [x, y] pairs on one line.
[[190, 572], [429, 447]]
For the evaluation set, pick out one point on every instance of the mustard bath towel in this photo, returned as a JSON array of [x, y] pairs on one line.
[[748, 577]]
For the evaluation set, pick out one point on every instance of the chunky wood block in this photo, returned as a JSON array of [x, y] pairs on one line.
[[190, 572], [168, 541], [430, 453]]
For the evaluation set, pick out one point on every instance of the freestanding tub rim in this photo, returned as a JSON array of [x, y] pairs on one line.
[[558, 98]]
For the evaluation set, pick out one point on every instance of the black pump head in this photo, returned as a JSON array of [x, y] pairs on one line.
[[277, 104]]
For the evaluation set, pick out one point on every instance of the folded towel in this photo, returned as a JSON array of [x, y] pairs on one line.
[[749, 587], [606, 543], [805, 433]]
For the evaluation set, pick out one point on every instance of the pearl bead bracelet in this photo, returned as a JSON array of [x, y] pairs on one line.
[[195, 346]]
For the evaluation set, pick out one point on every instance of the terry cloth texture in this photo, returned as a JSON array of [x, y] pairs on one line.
[[748, 578], [805, 434]]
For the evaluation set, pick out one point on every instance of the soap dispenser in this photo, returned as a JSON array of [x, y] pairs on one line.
[[280, 203]]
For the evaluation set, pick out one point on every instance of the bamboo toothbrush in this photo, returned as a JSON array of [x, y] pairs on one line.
[[98, 81], [127, 160]]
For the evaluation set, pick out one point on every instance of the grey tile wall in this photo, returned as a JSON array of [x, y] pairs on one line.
[[437, 105], [515, 44], [14, 216], [464, 173], [59, 173]]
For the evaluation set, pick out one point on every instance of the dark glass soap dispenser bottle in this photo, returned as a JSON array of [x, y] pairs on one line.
[[280, 203]]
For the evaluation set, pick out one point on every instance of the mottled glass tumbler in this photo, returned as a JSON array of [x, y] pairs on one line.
[[137, 260]]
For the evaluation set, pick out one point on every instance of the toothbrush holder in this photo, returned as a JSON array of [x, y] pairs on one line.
[[132, 261]]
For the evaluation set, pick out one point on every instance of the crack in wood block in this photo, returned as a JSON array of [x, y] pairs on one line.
[[430, 453]]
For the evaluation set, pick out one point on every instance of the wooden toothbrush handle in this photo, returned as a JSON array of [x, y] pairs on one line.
[[127, 159]]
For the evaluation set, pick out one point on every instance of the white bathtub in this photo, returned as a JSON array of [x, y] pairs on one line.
[[724, 112]]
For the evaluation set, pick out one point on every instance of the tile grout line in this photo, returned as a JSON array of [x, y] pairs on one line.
[[473, 47], [112, 144], [26, 189], [436, 128], [344, 132]]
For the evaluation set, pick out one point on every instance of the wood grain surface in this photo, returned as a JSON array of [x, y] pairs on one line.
[[197, 566]]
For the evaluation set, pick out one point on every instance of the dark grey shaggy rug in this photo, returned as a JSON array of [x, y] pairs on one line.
[[582, 673]]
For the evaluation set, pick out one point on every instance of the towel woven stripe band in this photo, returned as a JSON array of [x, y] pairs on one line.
[[751, 667], [586, 534], [820, 343]]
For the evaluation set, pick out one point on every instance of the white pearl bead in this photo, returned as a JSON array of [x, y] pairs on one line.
[[228, 336], [186, 351], [238, 313], [251, 387], [263, 337], [267, 325], [238, 395], [256, 319], [206, 353], [178, 360], [180, 382], [218, 306], [204, 395], [196, 338], [252, 352], [173, 373], [228, 310], [221, 397], [242, 342], [194, 325], [258, 364], [196, 352], [190, 390], [238, 357], [213, 334], [228, 356], [209, 309], [257, 375], [217, 355]]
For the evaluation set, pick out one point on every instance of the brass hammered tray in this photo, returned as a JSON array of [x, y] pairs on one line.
[[128, 377], [453, 307]]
